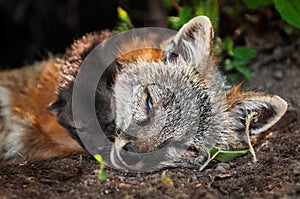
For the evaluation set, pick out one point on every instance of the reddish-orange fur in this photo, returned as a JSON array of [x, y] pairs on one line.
[[139, 49], [32, 89], [148, 54]]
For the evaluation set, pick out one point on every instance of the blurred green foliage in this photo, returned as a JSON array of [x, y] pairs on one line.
[[233, 58], [124, 21], [289, 10], [208, 8], [255, 4]]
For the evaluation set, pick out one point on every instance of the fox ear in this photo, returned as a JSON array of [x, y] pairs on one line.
[[193, 42], [269, 109]]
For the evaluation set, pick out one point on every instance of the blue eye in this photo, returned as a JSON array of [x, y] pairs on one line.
[[149, 104]]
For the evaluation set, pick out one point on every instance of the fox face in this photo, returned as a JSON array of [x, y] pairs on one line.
[[170, 109], [178, 107], [160, 106]]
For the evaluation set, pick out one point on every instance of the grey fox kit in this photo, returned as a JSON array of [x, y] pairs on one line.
[[173, 100]]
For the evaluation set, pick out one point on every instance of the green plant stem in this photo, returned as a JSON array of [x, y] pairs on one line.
[[101, 172], [209, 159], [250, 117]]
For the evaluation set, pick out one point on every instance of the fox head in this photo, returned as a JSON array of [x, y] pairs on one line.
[[170, 109]]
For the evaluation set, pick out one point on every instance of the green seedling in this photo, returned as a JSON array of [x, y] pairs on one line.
[[165, 180], [101, 172], [227, 156], [124, 23]]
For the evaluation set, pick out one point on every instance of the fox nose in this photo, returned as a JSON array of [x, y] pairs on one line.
[[130, 154]]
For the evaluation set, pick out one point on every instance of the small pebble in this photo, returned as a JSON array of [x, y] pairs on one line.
[[89, 182], [122, 178], [124, 186], [220, 169], [194, 177], [180, 175], [278, 75]]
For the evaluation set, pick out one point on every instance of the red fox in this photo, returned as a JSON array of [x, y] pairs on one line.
[[28, 129], [173, 98]]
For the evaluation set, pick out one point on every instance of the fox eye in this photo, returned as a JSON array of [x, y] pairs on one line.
[[149, 103], [144, 107]]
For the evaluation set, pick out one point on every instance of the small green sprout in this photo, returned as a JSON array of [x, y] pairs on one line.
[[124, 23], [165, 180], [101, 172], [227, 156]]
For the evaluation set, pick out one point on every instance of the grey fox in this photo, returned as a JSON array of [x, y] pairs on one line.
[[173, 100]]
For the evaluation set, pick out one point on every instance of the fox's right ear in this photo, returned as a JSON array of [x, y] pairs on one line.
[[193, 43], [269, 109]]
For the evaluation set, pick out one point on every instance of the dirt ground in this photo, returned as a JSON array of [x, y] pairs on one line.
[[276, 175]]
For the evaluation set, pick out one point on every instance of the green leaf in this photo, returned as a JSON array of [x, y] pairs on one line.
[[226, 156], [229, 65], [209, 8], [228, 45], [175, 22], [185, 14], [245, 71], [254, 4], [124, 21], [244, 53], [122, 14], [289, 11], [102, 175], [98, 157]]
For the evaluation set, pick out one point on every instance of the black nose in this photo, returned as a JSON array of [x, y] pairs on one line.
[[129, 154]]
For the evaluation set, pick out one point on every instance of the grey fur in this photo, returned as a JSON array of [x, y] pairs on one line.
[[196, 118]]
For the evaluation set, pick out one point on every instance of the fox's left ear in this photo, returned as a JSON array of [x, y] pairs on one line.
[[193, 43], [269, 109]]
